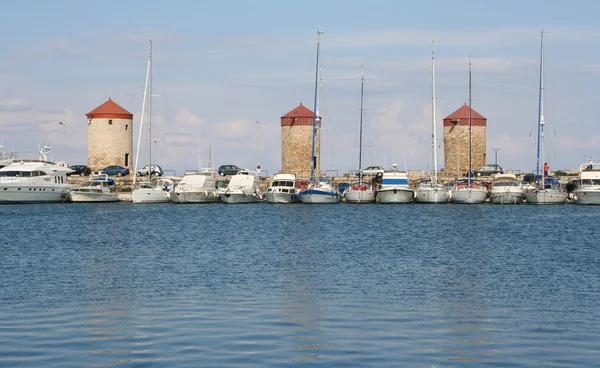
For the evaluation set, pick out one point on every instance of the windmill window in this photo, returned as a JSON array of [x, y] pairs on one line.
[[126, 126], [110, 122]]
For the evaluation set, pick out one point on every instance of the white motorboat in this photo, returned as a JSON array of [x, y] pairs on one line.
[[318, 191], [158, 191], [394, 187], [243, 188], [546, 191], [469, 191], [430, 191], [284, 189], [506, 189], [100, 188], [587, 190], [197, 186], [361, 192], [34, 181]]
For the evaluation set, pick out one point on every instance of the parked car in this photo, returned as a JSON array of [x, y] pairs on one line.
[[115, 170], [488, 169], [81, 170], [372, 170], [156, 170], [228, 170]]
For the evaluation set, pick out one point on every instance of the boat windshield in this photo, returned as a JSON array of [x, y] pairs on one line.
[[283, 183], [506, 184]]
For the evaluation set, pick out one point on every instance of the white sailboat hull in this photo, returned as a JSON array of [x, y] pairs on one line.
[[395, 195], [586, 196], [192, 196], [283, 198], [150, 195], [360, 196], [546, 196], [317, 195], [81, 196], [239, 198], [469, 196], [502, 196], [431, 195]]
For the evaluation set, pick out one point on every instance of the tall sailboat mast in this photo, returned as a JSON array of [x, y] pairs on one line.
[[470, 109], [540, 145], [316, 109], [137, 154], [362, 89], [433, 130], [150, 114]]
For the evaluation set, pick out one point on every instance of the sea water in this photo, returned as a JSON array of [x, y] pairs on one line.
[[259, 285]]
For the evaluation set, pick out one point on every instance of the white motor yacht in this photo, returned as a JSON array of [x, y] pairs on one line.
[[100, 188], [506, 189], [587, 190], [197, 186], [394, 188], [284, 189], [34, 181], [158, 191], [243, 188]]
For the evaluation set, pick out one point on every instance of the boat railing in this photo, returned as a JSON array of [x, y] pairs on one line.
[[589, 166]]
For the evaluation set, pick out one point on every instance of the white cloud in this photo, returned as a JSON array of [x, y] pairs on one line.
[[14, 104]]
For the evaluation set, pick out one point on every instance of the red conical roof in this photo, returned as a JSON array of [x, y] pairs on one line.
[[299, 112], [109, 110], [463, 113]]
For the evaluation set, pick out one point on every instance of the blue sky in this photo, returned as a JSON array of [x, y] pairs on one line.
[[220, 66]]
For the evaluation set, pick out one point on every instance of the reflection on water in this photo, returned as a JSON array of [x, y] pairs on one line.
[[373, 286]]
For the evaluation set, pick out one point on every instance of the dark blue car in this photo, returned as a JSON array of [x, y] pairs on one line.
[[115, 170]]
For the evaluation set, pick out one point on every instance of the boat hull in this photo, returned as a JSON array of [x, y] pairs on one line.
[[506, 197], [283, 198], [360, 196], [239, 198], [395, 195], [546, 197], [195, 197], [319, 196], [149, 195], [431, 195], [586, 196], [79, 197], [32, 194], [469, 196]]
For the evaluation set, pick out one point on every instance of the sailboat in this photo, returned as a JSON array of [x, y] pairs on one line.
[[544, 193], [431, 191], [360, 192], [319, 190], [469, 191], [160, 190]]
